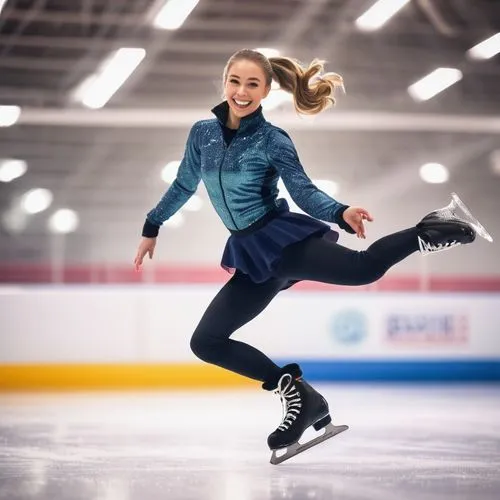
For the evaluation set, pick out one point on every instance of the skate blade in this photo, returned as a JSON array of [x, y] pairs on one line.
[[469, 218], [296, 448]]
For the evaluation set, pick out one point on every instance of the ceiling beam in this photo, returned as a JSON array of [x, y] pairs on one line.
[[210, 25], [336, 120]]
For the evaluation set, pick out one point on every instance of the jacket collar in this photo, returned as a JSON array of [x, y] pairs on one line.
[[247, 124]]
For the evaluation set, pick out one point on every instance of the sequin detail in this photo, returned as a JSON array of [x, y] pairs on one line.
[[241, 179]]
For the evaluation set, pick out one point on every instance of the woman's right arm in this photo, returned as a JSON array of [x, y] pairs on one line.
[[184, 186]]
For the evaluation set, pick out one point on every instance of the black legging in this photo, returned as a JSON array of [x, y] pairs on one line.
[[314, 259]]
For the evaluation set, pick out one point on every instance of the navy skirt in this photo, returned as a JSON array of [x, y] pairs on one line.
[[256, 250]]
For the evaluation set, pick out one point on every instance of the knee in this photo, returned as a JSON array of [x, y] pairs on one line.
[[203, 347]]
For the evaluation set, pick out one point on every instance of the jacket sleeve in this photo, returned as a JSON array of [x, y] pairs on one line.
[[184, 186], [283, 156]]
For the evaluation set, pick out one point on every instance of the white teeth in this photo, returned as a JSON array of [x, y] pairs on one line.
[[242, 103]]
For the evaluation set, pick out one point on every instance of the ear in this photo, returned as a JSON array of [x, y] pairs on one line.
[[266, 92]]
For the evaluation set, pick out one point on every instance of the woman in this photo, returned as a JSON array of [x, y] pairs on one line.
[[240, 157]]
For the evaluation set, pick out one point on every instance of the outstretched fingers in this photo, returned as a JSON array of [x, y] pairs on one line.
[[365, 215]]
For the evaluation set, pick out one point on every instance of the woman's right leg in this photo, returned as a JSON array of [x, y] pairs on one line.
[[317, 259], [238, 302]]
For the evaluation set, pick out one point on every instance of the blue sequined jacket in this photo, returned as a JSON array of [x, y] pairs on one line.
[[241, 178]]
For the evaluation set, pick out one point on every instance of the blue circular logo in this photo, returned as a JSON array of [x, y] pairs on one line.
[[349, 326]]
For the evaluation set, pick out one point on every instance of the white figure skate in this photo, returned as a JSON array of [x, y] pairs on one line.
[[449, 227]]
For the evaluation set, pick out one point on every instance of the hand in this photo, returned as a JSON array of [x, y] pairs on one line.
[[147, 246], [354, 216]]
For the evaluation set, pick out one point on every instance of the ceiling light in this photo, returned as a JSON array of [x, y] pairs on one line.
[[331, 188], [268, 52], [177, 220], [12, 169], [433, 83], [194, 204], [379, 13], [14, 221], [9, 115], [98, 89], [173, 14], [434, 173], [63, 221], [495, 162], [36, 200], [486, 49], [169, 171], [275, 99]]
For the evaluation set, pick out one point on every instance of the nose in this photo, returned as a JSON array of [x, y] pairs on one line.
[[241, 91]]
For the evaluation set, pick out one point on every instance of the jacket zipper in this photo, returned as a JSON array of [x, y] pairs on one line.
[[220, 182]]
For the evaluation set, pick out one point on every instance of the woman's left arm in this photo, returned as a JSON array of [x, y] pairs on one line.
[[283, 156]]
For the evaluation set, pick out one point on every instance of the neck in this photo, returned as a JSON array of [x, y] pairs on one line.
[[232, 120]]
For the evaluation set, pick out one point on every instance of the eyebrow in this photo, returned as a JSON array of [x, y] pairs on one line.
[[251, 78]]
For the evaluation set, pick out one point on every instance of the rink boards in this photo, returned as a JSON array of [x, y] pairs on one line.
[[138, 336]]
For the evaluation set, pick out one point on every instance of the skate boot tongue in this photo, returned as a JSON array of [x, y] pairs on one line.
[[290, 399]]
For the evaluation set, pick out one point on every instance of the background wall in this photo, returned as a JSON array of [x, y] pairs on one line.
[[107, 163], [356, 336]]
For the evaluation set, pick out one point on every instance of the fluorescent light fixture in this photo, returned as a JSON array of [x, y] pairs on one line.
[[173, 14], [9, 115], [12, 169], [36, 200], [434, 173], [435, 82], [63, 221], [194, 204], [331, 188], [379, 13], [169, 171], [98, 89], [486, 49], [268, 52]]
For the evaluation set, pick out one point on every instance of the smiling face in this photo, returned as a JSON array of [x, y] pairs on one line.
[[244, 89]]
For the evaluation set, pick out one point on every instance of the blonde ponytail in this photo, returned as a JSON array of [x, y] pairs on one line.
[[312, 89]]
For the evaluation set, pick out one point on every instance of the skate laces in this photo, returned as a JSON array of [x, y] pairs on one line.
[[427, 248], [290, 400]]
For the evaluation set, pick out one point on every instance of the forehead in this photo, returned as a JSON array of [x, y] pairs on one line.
[[245, 68]]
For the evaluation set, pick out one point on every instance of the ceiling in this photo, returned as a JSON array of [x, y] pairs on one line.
[[106, 164]]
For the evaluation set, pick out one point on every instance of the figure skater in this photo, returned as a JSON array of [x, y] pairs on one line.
[[240, 157]]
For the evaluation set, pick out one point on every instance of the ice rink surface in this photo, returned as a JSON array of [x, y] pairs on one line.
[[404, 443]]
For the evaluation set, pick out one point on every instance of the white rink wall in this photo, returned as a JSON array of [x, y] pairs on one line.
[[142, 324]]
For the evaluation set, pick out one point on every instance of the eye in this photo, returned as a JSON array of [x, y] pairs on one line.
[[254, 85], [234, 81]]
